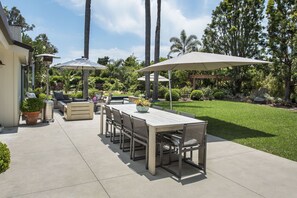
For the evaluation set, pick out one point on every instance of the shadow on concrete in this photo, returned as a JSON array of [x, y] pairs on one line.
[[230, 131], [9, 130], [39, 124], [189, 172]]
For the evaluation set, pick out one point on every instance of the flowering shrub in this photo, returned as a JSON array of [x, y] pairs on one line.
[[142, 102]]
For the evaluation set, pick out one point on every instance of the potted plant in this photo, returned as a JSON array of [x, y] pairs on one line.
[[142, 105], [31, 108]]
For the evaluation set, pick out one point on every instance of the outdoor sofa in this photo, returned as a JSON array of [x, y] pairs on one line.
[[79, 111]]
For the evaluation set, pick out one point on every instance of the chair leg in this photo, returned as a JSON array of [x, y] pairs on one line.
[[121, 134], [161, 153], [179, 164], [131, 147], [133, 150], [111, 132], [106, 128]]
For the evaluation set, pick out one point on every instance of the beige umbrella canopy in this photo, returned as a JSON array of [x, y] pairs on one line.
[[202, 62], [199, 61], [80, 64], [161, 78]]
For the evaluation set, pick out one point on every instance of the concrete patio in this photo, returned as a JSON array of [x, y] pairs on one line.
[[69, 159]]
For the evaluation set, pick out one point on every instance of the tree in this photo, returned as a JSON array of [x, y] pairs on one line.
[[103, 61], [86, 45], [282, 31], [157, 50], [14, 17], [184, 44], [41, 45], [147, 45], [236, 30]]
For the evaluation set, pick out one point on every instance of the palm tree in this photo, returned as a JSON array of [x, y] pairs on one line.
[[86, 45], [147, 45], [184, 44], [157, 50]]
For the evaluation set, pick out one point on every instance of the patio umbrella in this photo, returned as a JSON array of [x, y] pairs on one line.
[[80, 64], [161, 78], [199, 61]]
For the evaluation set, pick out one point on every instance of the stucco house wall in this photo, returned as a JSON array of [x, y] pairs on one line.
[[13, 56]]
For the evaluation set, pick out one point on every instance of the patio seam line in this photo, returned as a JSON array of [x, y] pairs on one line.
[[51, 189], [232, 155], [235, 182], [104, 179], [83, 158]]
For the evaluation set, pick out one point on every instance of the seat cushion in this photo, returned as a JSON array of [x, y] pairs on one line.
[[176, 141], [59, 95]]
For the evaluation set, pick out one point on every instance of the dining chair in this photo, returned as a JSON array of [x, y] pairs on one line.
[[117, 124], [109, 121], [187, 114], [127, 132], [140, 135], [192, 138]]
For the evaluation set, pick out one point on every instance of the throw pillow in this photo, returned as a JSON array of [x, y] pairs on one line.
[[31, 95], [59, 95]]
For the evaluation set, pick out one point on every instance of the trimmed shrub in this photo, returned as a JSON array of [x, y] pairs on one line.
[[162, 91], [174, 94], [137, 93], [185, 91], [207, 93], [42, 96], [219, 95], [177, 91], [196, 94], [4, 157], [92, 92], [78, 94]]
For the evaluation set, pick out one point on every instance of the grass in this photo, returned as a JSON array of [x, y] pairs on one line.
[[261, 127]]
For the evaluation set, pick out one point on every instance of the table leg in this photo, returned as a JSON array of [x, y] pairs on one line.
[[152, 151], [101, 119]]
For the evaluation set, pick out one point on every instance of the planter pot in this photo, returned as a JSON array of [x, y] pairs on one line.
[[32, 117], [142, 109]]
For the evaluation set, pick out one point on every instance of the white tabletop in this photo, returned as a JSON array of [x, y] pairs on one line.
[[156, 117]]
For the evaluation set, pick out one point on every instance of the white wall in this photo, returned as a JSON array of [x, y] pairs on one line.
[[10, 87]]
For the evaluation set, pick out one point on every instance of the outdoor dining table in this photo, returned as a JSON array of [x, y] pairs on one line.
[[157, 121]]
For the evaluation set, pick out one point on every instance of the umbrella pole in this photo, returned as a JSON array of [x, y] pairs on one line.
[[170, 96]]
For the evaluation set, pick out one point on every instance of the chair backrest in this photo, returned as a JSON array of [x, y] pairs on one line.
[[195, 131], [157, 107], [187, 114], [139, 127], [127, 122], [117, 118], [108, 112], [170, 110]]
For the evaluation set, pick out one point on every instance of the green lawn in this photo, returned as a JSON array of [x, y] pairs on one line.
[[262, 127]]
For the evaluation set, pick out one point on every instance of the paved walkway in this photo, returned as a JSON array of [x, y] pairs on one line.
[[69, 159]]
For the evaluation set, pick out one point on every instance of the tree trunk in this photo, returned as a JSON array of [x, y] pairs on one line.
[[147, 45], [157, 51], [86, 46]]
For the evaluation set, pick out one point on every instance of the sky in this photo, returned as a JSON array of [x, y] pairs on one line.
[[117, 26]]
